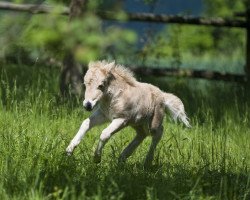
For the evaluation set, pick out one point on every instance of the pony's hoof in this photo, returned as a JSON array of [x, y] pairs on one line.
[[69, 150], [68, 153]]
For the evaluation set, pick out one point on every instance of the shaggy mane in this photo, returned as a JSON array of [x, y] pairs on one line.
[[120, 70]]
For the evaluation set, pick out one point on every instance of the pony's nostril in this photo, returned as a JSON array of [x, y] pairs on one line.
[[88, 106]]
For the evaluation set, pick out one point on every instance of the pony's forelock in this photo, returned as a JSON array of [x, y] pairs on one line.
[[120, 70]]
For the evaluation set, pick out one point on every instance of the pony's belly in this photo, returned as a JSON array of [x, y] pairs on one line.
[[140, 119]]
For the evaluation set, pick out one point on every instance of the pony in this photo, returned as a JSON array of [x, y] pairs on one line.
[[114, 95]]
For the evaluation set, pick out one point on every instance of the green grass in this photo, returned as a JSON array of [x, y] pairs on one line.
[[209, 161]]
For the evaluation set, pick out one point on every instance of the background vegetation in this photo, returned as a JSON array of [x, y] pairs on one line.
[[209, 161], [89, 38], [187, 46]]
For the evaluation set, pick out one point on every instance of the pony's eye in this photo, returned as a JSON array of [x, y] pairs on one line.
[[101, 87]]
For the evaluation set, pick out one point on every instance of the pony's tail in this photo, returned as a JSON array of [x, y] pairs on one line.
[[176, 108]]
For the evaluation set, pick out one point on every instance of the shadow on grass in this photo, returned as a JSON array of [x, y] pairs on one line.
[[132, 181]]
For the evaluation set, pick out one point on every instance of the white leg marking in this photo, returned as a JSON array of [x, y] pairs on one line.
[[115, 126], [95, 119]]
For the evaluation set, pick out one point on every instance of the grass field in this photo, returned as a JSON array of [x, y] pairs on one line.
[[209, 161]]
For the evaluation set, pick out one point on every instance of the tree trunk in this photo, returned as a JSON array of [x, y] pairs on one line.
[[247, 66], [71, 75]]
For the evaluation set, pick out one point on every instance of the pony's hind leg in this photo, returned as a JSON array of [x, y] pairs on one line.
[[156, 137], [140, 136]]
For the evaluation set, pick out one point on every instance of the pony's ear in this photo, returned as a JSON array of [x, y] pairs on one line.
[[110, 76], [111, 65], [111, 69]]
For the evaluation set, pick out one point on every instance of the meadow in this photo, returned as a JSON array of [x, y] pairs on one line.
[[209, 161]]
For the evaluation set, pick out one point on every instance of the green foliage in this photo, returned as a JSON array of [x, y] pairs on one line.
[[224, 8], [9, 27], [226, 40], [84, 37], [53, 35], [209, 161], [178, 42]]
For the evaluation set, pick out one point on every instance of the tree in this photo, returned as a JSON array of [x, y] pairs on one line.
[[74, 40], [71, 74]]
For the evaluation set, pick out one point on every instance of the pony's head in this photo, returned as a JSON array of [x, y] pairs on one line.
[[96, 81]]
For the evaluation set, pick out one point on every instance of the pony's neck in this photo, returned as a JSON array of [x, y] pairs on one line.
[[119, 83]]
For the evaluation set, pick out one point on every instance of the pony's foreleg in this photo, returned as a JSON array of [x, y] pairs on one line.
[[132, 146], [156, 137], [115, 126], [95, 119]]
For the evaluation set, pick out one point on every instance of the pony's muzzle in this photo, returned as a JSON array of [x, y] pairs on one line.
[[88, 105]]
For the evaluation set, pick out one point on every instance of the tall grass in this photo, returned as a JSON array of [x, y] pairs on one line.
[[209, 161]]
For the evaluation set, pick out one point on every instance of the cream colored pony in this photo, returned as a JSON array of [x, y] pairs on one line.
[[115, 95]]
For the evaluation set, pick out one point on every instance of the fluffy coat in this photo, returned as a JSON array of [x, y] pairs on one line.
[[115, 95]]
